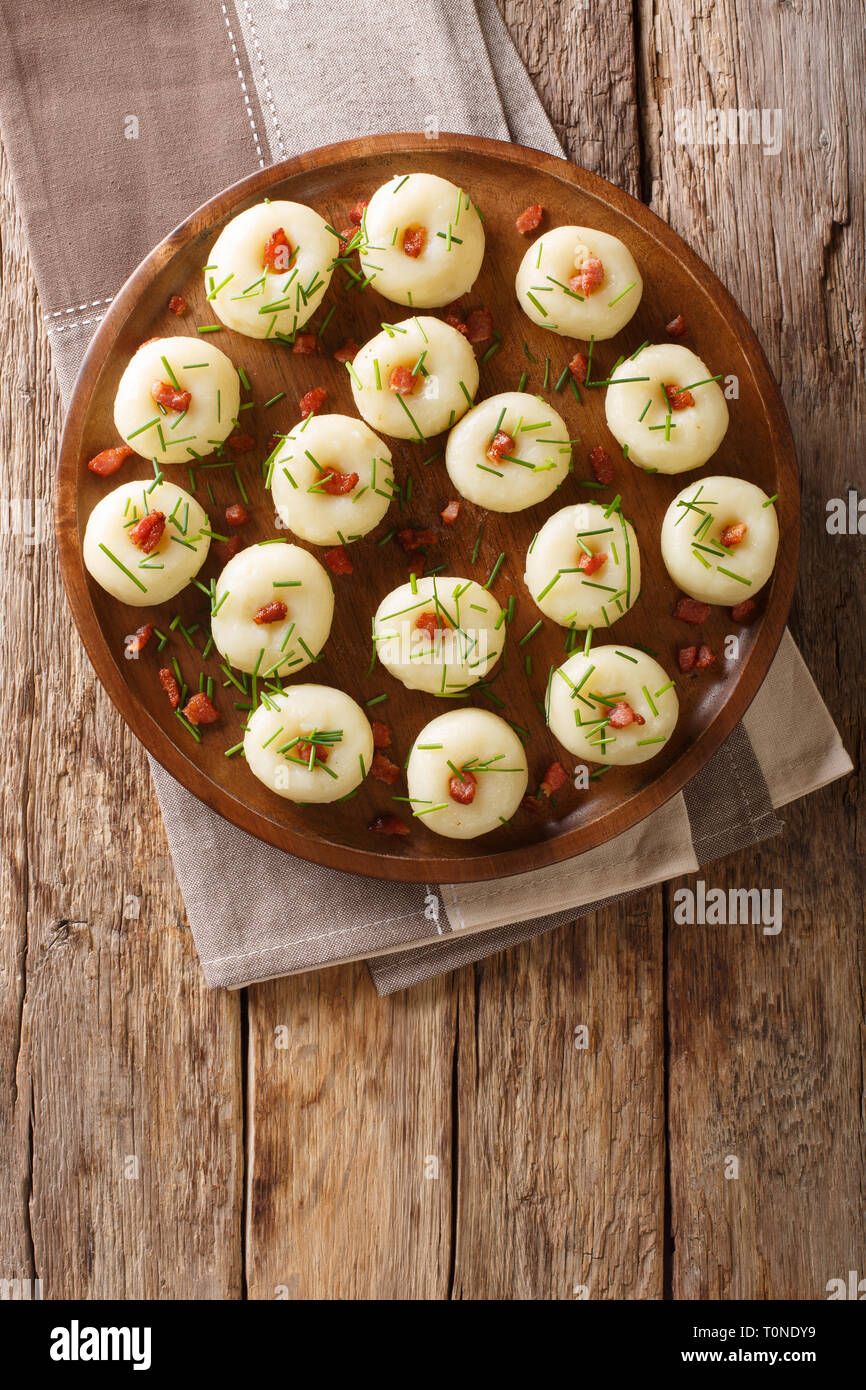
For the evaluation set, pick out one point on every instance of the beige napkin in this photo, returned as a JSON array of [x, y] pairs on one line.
[[118, 121]]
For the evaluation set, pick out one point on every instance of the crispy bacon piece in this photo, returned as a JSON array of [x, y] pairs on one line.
[[588, 277], [170, 686], [177, 304], [169, 397], [432, 622], [623, 715], [454, 316], [110, 460], [555, 779], [533, 804], [450, 513], [462, 789], [706, 657], [686, 657], [148, 532], [402, 381], [381, 734], [679, 400], [479, 325], [278, 251], [590, 564], [500, 444], [337, 560], [733, 535], [137, 641], [411, 539], [384, 770], [356, 216], [388, 825], [304, 748], [241, 443], [690, 610], [200, 709], [742, 612], [346, 236], [227, 550], [413, 241], [305, 345], [272, 612], [601, 465], [348, 352], [337, 484], [677, 327], [237, 515], [579, 366], [313, 401], [530, 219]]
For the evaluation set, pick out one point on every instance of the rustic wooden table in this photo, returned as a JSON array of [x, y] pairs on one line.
[[158, 1140]]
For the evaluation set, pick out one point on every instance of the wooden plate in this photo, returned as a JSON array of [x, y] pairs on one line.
[[503, 179]]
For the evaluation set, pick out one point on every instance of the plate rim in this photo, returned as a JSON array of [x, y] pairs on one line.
[[376, 862]]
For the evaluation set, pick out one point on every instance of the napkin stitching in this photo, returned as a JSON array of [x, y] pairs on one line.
[[77, 308], [242, 80], [260, 55], [306, 940], [73, 323]]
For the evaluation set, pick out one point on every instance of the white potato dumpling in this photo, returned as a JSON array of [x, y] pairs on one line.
[[583, 566], [175, 367], [311, 743], [491, 769], [276, 297], [445, 371], [318, 457], [565, 254], [423, 241], [122, 566], [272, 572], [656, 437], [508, 452], [441, 634], [719, 540], [615, 705]]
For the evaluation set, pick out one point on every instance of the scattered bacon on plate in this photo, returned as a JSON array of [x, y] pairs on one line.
[[200, 709], [337, 560], [312, 402], [110, 460], [601, 465], [170, 686], [690, 610], [450, 513], [137, 641], [530, 219], [177, 304], [237, 515], [388, 825]]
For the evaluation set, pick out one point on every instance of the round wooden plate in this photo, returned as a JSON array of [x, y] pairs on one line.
[[503, 179]]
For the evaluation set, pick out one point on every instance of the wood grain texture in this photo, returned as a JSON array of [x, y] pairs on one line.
[[766, 1062]]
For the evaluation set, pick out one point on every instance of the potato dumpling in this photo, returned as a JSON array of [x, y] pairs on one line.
[[583, 567], [177, 400], [613, 705], [467, 773], [422, 241], [440, 634], [508, 452], [310, 743], [665, 409], [144, 542], [332, 480], [415, 378], [719, 540], [579, 282], [272, 610]]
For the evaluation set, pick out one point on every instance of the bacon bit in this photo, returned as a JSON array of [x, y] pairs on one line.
[[450, 513], [241, 443], [388, 825], [689, 610], [677, 327], [733, 535], [237, 515], [431, 623], [679, 400], [588, 277], [462, 789], [305, 345], [500, 444], [137, 641], [381, 734], [273, 440], [345, 237], [686, 657], [533, 804], [201, 710], [479, 325], [384, 770], [227, 550], [742, 612], [579, 366], [177, 304], [601, 465], [110, 460], [356, 216], [454, 316], [305, 748], [313, 401], [169, 397], [148, 532], [530, 219], [555, 779], [278, 251], [591, 563], [170, 686], [272, 612], [402, 381], [411, 539], [623, 715], [337, 484], [348, 352], [706, 657], [413, 241], [338, 561]]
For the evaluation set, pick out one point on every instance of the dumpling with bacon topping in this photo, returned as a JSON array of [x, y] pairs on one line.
[[613, 705], [666, 409], [178, 398], [467, 773], [583, 566], [422, 241], [719, 540], [579, 282], [414, 379], [144, 542], [332, 479], [509, 452], [310, 743], [272, 609], [440, 634]]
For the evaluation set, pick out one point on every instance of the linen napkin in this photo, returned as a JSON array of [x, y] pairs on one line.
[[118, 121]]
